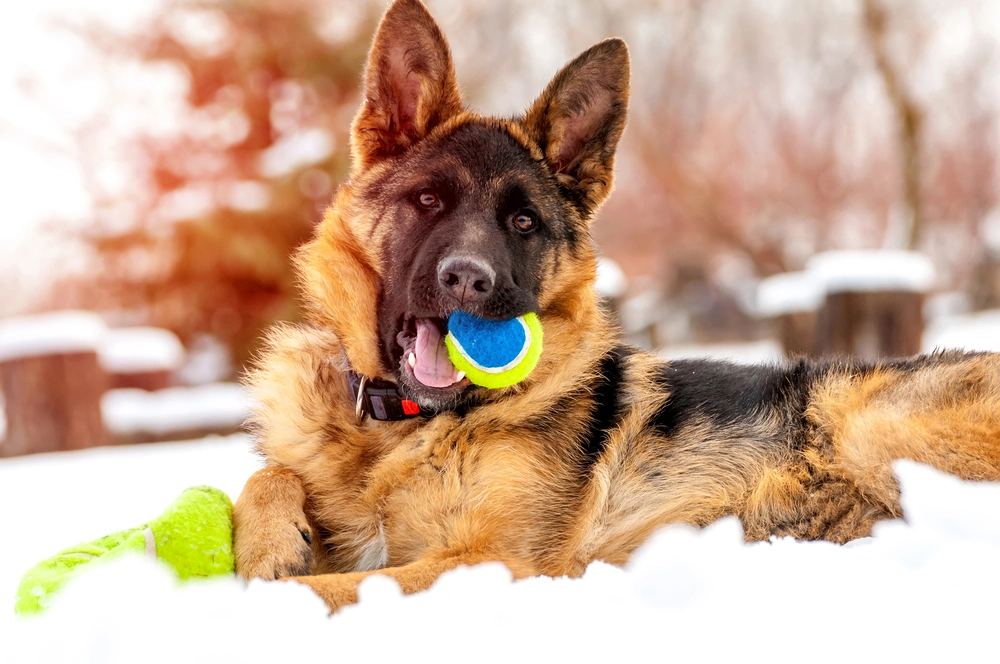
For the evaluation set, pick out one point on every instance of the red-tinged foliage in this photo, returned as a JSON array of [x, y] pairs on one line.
[[760, 132], [222, 202]]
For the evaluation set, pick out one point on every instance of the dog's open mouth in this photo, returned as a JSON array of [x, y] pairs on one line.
[[425, 356]]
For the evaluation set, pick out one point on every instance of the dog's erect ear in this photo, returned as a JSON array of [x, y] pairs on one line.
[[409, 85], [579, 118]]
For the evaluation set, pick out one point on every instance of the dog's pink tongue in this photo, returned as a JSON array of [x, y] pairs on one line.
[[432, 367]]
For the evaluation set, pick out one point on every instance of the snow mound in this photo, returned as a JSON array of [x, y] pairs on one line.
[[212, 406], [789, 293], [978, 331], [913, 592], [766, 351], [869, 271], [611, 281], [136, 349]]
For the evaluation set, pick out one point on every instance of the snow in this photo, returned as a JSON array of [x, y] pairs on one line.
[[208, 361], [136, 349], [978, 331], [44, 334], [914, 591], [866, 271], [212, 406], [989, 231], [611, 281], [767, 351], [788, 293], [641, 311]]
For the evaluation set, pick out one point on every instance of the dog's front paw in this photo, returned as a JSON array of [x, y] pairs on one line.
[[278, 553], [272, 538]]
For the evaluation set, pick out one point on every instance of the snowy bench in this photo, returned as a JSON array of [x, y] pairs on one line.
[[69, 382]]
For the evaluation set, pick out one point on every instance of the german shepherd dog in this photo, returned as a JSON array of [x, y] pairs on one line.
[[382, 459]]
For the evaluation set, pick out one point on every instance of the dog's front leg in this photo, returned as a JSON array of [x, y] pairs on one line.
[[339, 590], [272, 538]]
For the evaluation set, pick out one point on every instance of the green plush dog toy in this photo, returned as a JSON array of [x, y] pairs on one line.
[[194, 536]]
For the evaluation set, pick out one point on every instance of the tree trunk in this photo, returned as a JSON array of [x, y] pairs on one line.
[[907, 113], [52, 403], [871, 325]]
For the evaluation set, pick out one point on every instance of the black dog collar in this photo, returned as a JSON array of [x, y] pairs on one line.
[[380, 399]]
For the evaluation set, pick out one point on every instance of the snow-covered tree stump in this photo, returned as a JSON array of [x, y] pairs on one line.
[[791, 300], [870, 325], [52, 402], [52, 383], [874, 302], [865, 304]]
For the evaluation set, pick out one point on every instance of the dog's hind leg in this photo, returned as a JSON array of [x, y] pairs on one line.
[[272, 537], [943, 411]]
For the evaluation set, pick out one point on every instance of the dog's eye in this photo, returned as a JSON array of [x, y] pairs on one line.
[[427, 199], [525, 221]]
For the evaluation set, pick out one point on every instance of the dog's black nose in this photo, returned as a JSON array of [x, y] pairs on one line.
[[465, 278]]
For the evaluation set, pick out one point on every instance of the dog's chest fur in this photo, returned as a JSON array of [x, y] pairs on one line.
[[434, 491]]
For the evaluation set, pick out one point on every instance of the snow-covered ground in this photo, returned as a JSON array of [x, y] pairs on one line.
[[974, 331], [923, 590]]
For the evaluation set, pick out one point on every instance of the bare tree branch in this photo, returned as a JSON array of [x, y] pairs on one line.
[[908, 113]]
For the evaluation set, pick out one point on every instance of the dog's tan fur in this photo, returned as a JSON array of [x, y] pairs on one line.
[[509, 480]]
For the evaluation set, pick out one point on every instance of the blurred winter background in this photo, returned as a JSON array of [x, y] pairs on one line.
[[805, 177], [796, 177]]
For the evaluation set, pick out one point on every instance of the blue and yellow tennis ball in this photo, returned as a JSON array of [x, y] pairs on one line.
[[494, 354]]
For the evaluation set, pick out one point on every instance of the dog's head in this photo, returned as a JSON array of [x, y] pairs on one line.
[[446, 209]]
